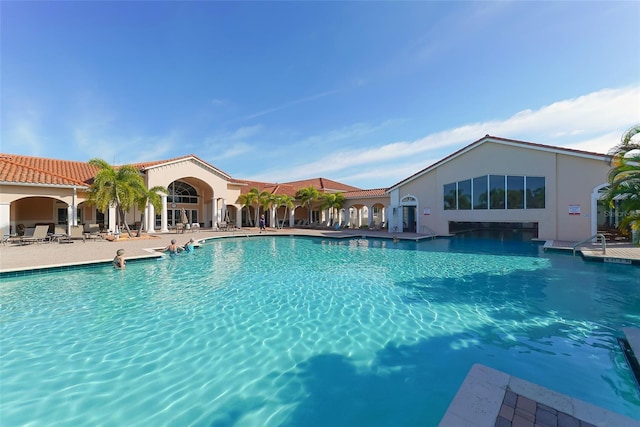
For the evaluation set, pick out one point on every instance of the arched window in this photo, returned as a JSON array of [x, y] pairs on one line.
[[181, 192]]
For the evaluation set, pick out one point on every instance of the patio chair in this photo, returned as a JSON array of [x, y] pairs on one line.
[[77, 232], [92, 231], [39, 235]]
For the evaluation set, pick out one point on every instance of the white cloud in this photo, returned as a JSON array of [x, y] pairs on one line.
[[290, 104], [593, 122], [24, 136]]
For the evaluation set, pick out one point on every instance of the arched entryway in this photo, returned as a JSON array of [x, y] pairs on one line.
[[409, 207]]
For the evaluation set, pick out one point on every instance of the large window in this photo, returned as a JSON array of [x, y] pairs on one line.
[[515, 192], [480, 193], [495, 192], [535, 192], [450, 198], [181, 192], [464, 194]]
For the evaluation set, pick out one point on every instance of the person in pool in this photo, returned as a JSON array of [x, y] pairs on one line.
[[173, 249], [188, 247], [118, 260]]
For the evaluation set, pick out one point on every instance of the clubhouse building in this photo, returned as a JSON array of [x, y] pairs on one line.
[[540, 191]]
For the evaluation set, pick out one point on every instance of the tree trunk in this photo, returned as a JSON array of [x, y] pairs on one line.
[[124, 219]]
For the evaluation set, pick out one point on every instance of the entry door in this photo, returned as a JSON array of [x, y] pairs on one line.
[[409, 219]]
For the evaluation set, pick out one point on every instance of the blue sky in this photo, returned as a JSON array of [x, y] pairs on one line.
[[366, 93]]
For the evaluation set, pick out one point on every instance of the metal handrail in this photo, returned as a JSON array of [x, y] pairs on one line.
[[595, 236], [432, 234]]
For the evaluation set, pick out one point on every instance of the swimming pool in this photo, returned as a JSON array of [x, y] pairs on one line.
[[284, 331]]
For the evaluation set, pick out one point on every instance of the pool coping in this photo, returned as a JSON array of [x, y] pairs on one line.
[[69, 266], [479, 400]]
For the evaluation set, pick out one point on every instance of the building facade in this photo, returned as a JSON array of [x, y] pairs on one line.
[[542, 191], [545, 191]]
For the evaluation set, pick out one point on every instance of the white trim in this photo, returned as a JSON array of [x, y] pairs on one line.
[[186, 159], [28, 184]]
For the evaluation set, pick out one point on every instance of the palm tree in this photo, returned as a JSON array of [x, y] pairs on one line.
[[246, 200], [283, 200], [307, 196], [624, 179], [332, 201], [265, 199], [149, 196], [115, 186]]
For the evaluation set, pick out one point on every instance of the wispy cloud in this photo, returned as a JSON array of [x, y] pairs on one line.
[[24, 136], [592, 122], [230, 144], [289, 104]]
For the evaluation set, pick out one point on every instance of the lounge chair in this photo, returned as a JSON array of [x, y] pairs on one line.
[[39, 235], [92, 231], [76, 233]]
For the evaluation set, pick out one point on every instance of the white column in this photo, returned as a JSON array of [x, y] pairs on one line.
[[163, 214], [5, 218], [74, 208], [383, 212], [359, 220], [113, 219], [370, 218], [272, 217], [69, 218], [292, 216], [214, 213], [150, 214], [223, 209]]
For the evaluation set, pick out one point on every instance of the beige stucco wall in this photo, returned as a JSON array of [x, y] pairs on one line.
[[212, 187], [569, 180]]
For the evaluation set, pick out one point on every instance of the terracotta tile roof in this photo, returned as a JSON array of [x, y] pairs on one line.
[[323, 185], [270, 187], [38, 170], [376, 192], [499, 140]]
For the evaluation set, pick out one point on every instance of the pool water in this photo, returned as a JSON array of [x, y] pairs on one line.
[[284, 331]]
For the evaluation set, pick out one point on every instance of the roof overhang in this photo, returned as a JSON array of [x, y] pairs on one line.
[[205, 165], [29, 184]]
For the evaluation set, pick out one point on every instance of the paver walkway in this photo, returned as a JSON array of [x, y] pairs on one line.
[[520, 411]]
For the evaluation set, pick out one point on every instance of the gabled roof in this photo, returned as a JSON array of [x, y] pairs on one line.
[[269, 187], [504, 141], [27, 170], [143, 166], [323, 185]]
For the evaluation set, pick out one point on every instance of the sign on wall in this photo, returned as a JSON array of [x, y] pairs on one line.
[[427, 211], [574, 209]]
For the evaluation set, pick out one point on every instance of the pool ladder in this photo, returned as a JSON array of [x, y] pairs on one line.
[[595, 236]]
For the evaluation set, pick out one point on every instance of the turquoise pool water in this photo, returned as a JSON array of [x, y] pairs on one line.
[[279, 331]]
